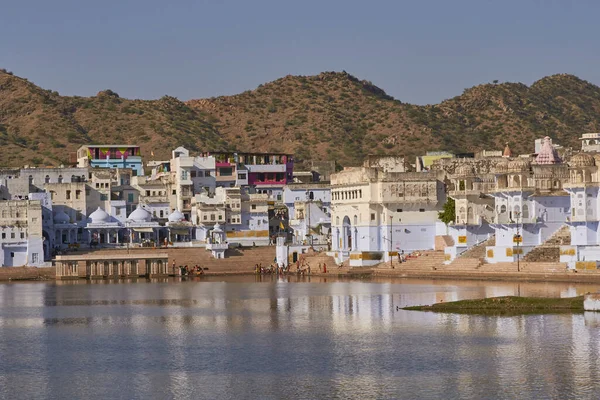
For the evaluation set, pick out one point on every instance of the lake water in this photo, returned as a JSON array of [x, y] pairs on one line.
[[317, 338]]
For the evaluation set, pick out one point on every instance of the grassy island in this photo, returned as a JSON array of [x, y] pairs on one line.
[[507, 305]]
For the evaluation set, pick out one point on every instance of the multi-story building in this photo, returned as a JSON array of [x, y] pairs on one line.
[[111, 156], [267, 173], [377, 212], [309, 205], [21, 233]]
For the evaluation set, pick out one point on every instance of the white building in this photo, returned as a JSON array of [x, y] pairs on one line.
[[377, 213]]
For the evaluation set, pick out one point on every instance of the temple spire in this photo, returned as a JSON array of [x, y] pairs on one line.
[[548, 154], [507, 151]]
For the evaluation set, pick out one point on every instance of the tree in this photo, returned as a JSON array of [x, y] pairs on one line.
[[495, 81], [448, 214]]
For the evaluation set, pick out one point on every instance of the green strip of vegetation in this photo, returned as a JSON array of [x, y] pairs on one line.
[[512, 305]]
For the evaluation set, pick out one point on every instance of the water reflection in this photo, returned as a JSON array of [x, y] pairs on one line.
[[270, 337]]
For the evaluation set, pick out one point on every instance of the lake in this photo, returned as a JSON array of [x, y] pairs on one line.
[[267, 338]]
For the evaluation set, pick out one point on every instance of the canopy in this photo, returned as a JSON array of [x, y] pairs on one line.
[[179, 231], [144, 230]]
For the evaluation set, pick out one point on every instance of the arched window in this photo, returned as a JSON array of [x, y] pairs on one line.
[[30, 179], [355, 220], [525, 211], [60, 179], [162, 213], [337, 220], [47, 179], [502, 209], [470, 213]]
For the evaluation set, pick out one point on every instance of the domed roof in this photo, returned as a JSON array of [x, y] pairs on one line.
[[464, 169], [99, 216], [176, 216], [582, 160], [140, 215], [518, 165], [217, 228], [61, 217]]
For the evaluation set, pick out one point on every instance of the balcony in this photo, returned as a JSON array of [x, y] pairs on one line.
[[272, 168]]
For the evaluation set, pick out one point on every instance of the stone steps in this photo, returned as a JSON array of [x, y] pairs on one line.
[[479, 250], [549, 251], [427, 261]]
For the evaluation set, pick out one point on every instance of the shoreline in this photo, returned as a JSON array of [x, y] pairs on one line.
[[567, 277], [45, 274], [506, 305]]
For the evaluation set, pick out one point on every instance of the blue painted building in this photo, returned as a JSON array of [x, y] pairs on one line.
[[111, 156]]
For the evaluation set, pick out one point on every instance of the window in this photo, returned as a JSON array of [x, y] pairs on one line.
[[130, 197], [421, 210], [212, 217], [220, 217], [372, 216], [193, 174], [3, 235], [162, 214], [12, 254], [12, 235], [254, 206], [226, 171], [204, 217], [22, 235], [97, 185], [174, 191], [68, 195], [35, 258], [47, 179], [399, 210], [78, 194], [241, 177], [60, 179], [103, 197]]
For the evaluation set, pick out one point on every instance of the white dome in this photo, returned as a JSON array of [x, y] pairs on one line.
[[99, 216], [140, 215], [217, 228], [176, 216], [61, 217]]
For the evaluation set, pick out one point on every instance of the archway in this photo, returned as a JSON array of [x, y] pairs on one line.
[[47, 245], [347, 234]]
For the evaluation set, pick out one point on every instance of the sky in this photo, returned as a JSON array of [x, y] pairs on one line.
[[420, 52]]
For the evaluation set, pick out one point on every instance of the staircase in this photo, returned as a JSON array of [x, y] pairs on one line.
[[428, 260], [477, 251], [549, 251]]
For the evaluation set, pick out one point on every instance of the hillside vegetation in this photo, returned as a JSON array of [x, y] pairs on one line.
[[330, 116]]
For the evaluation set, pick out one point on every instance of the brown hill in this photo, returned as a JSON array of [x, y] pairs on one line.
[[328, 116]]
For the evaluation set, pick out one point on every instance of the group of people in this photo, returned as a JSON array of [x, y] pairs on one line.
[[302, 268], [185, 270]]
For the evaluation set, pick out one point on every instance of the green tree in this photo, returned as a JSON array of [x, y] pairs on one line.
[[448, 214]]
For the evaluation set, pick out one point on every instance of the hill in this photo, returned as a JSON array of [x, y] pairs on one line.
[[332, 116]]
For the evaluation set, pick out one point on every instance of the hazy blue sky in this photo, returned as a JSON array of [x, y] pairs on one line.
[[418, 51]]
